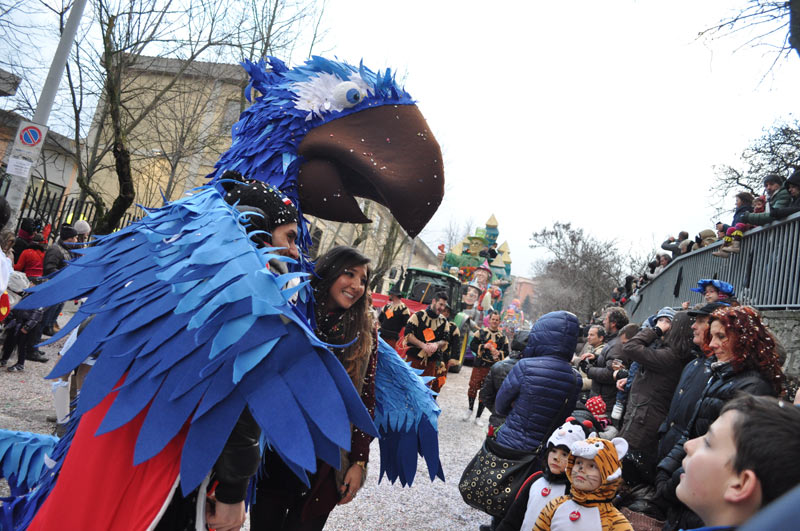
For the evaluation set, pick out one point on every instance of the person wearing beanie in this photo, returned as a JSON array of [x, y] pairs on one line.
[[777, 197], [594, 468], [83, 229], [597, 407], [271, 222], [271, 215], [548, 484], [27, 228], [55, 259], [792, 186]]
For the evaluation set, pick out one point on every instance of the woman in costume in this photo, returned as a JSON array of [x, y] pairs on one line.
[[343, 318]]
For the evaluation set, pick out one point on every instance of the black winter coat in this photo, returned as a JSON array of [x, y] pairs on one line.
[[239, 460], [491, 385], [603, 381], [687, 394], [722, 386]]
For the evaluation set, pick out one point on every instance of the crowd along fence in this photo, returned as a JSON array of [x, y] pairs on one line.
[[765, 274], [51, 207]]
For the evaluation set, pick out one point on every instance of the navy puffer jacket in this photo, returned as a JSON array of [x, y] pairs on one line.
[[536, 388]]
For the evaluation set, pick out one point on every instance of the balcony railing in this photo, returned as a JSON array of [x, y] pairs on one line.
[[765, 274]]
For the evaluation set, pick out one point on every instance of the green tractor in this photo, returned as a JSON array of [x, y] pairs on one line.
[[418, 286]]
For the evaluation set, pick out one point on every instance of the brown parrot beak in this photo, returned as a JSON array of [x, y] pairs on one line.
[[386, 154]]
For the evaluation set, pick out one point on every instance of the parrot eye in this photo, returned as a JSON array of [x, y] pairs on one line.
[[347, 94], [353, 96]]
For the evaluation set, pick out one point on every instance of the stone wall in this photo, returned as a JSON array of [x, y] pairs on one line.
[[785, 324]]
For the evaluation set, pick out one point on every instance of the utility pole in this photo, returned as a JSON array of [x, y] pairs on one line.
[[19, 184]]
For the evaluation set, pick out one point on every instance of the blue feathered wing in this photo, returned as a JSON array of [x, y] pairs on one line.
[[186, 310], [406, 415]]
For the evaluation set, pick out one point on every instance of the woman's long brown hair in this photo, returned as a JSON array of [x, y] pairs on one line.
[[357, 319]]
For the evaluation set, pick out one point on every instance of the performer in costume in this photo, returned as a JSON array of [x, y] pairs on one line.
[[273, 222], [343, 317], [393, 317], [490, 345], [454, 344], [427, 337], [187, 279]]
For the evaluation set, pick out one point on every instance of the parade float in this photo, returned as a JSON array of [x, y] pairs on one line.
[[474, 274]]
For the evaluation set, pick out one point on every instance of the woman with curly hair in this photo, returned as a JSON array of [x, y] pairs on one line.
[[343, 318], [747, 360]]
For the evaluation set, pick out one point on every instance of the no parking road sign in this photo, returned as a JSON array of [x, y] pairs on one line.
[[31, 136], [25, 151]]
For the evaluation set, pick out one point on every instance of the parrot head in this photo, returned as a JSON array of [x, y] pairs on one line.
[[327, 132]]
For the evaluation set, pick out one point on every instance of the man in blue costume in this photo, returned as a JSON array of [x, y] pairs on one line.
[[190, 330]]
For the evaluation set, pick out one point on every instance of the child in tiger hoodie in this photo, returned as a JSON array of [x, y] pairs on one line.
[[595, 473]]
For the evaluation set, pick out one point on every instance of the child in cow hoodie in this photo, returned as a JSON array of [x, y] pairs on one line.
[[548, 484], [595, 473]]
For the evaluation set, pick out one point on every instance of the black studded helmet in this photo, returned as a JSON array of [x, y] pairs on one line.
[[271, 206]]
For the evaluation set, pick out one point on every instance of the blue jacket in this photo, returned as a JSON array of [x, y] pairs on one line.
[[536, 389]]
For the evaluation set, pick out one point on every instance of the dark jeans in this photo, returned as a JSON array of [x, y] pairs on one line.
[[22, 342], [51, 315]]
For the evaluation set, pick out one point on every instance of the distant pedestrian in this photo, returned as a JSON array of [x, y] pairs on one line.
[[393, 317], [490, 346], [31, 261], [20, 335], [55, 259]]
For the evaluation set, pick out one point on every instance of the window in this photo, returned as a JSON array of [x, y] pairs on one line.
[[230, 115]]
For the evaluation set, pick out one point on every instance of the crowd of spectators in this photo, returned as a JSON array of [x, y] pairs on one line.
[[663, 385], [668, 379], [780, 200], [33, 260]]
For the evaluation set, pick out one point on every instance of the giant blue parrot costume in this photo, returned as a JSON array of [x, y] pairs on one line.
[[189, 326]]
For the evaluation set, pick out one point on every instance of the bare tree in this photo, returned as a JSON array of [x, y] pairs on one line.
[[393, 243], [364, 229], [777, 150], [764, 23], [185, 135], [22, 29], [580, 273], [453, 233]]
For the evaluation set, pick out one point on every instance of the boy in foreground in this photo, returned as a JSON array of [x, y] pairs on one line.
[[746, 460]]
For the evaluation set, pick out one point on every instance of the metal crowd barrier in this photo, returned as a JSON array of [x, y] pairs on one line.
[[765, 274]]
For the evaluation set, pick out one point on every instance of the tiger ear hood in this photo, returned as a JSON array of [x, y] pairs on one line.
[[607, 455]]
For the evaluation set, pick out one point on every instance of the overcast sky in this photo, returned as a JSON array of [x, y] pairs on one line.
[[610, 115]]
